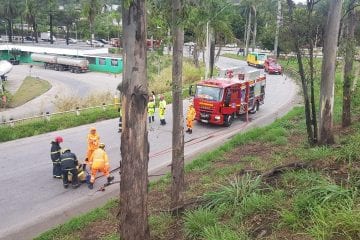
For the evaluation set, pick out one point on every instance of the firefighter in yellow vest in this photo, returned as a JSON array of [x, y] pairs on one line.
[[162, 108], [151, 109], [190, 117], [99, 162], [93, 142]]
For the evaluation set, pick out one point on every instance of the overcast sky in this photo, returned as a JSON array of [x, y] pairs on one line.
[[299, 1]]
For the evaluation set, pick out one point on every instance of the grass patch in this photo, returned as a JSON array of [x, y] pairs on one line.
[[196, 222], [222, 232], [30, 88], [79, 222], [235, 56], [57, 122], [159, 224]]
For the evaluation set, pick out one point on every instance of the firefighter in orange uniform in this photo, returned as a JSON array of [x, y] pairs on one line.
[[93, 142], [190, 117], [99, 162]]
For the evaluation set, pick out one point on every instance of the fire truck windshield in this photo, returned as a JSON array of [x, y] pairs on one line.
[[208, 93]]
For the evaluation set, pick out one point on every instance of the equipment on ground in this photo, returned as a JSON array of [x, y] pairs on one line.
[[220, 100], [82, 174], [61, 63]]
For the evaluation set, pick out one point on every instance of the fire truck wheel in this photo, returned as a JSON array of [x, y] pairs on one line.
[[255, 109], [228, 119]]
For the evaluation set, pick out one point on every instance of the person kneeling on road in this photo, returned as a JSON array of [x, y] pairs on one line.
[[99, 162], [69, 162]]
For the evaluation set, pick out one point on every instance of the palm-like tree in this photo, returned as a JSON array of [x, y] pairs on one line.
[[90, 9], [8, 11], [31, 10]]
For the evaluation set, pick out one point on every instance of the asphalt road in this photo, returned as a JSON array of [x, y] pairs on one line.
[[32, 201]]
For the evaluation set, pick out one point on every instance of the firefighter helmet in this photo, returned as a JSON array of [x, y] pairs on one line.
[[59, 139], [102, 145]]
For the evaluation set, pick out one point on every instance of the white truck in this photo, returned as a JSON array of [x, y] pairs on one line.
[[61, 63], [45, 36]]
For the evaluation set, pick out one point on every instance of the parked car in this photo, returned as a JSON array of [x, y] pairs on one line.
[[94, 43], [29, 38], [72, 40], [102, 41], [271, 66]]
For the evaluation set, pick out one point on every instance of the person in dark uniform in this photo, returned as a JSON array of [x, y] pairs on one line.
[[69, 163], [55, 152]]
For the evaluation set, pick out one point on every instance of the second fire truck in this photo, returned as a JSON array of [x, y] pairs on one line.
[[235, 92]]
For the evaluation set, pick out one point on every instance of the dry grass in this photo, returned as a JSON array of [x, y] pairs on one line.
[[162, 83], [71, 102]]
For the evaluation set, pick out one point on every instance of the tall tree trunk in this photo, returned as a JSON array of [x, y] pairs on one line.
[[67, 34], [278, 22], [312, 93], [295, 38], [51, 29], [177, 166], [255, 30], [35, 31], [328, 73], [245, 33], [248, 33], [312, 69], [196, 56], [9, 29], [134, 137], [22, 28], [348, 68], [91, 34], [212, 57]]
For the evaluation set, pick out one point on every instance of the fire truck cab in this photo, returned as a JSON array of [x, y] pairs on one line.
[[235, 92]]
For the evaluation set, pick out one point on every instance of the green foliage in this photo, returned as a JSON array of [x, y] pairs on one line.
[[315, 153], [196, 221], [275, 135], [349, 151], [159, 224], [307, 202], [331, 223], [58, 122], [218, 232], [79, 222], [29, 89], [235, 193]]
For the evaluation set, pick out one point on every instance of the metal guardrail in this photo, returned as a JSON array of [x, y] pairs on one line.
[[47, 115]]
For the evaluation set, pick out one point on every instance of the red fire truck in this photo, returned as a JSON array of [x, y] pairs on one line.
[[235, 92]]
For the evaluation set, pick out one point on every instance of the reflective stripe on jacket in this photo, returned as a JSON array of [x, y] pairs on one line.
[[93, 141], [191, 114], [55, 151], [68, 160], [99, 159], [162, 107], [151, 108]]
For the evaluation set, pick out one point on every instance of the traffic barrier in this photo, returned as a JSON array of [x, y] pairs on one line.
[[47, 115]]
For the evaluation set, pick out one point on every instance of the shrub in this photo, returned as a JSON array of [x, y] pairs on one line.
[[218, 232], [196, 221]]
